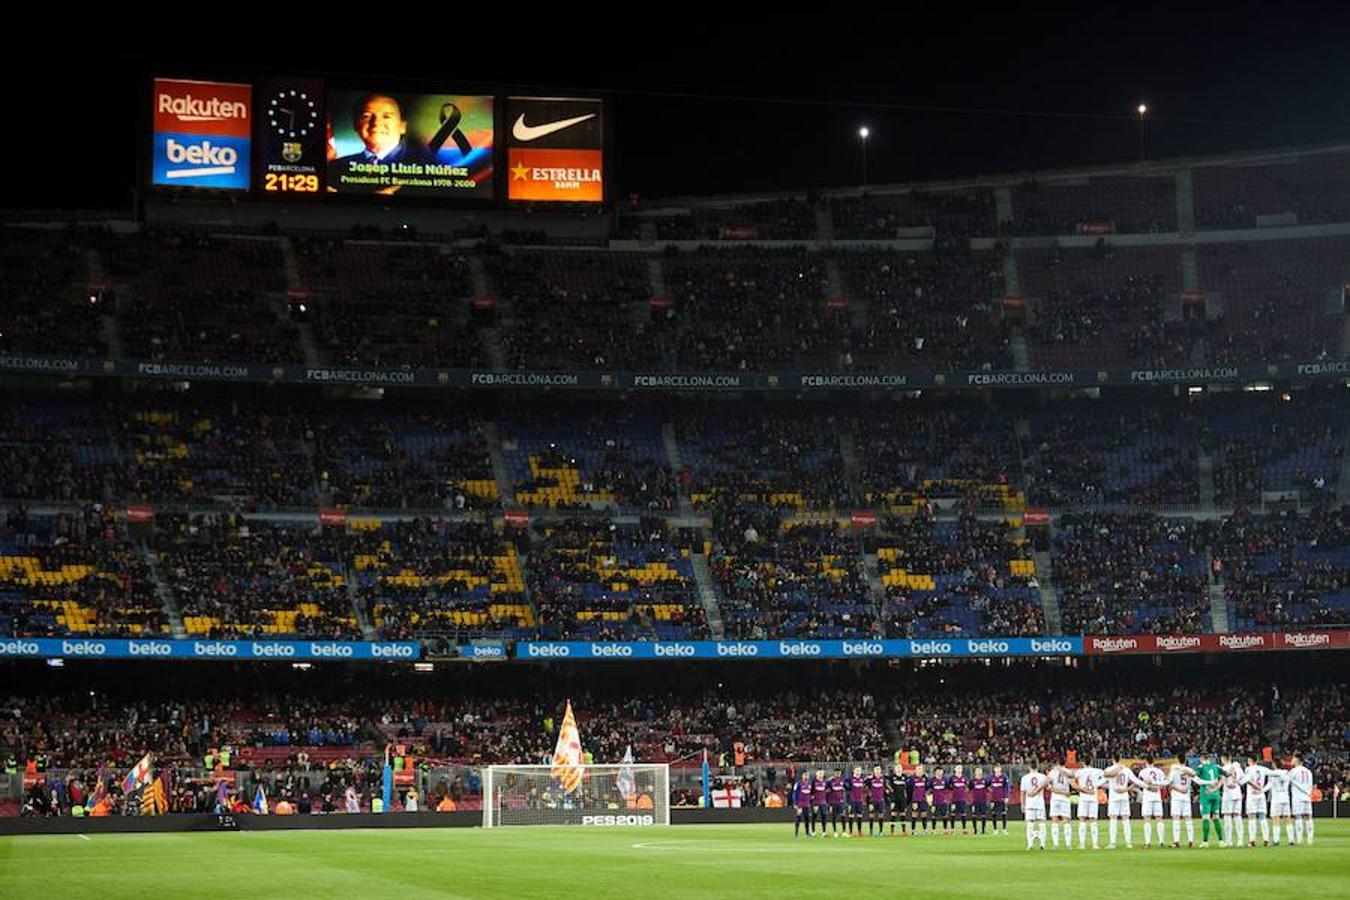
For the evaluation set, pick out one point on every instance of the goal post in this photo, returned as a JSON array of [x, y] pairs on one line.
[[608, 795]]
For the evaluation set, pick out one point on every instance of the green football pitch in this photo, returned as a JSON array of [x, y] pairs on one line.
[[742, 861]]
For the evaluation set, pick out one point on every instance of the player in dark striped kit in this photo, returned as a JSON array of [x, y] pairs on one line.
[[837, 811], [820, 799], [897, 796], [918, 800], [856, 786], [999, 786], [979, 801], [801, 801], [876, 802], [937, 785], [960, 796]]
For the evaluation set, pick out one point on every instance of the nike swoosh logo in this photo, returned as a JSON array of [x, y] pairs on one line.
[[522, 132]]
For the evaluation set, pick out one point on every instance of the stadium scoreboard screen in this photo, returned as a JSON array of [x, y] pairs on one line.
[[298, 136], [292, 129]]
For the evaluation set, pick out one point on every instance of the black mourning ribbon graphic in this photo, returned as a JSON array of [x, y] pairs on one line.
[[450, 119]]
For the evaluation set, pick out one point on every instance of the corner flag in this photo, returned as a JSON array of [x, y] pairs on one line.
[[260, 802], [626, 784], [567, 764]]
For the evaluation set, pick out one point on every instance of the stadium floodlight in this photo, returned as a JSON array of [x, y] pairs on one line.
[[609, 795], [1142, 110], [863, 134]]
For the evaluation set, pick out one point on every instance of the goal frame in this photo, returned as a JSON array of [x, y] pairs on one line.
[[493, 777]]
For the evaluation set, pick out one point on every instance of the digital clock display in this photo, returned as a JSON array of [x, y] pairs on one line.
[[282, 183], [291, 121]]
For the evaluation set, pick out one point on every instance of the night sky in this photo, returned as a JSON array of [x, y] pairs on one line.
[[704, 106]]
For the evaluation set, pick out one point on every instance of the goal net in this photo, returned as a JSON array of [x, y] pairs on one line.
[[611, 795]]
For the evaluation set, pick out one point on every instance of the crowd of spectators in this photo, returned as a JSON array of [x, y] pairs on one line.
[[1131, 573], [968, 579], [1285, 570]]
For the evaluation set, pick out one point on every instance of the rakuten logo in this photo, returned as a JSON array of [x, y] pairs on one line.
[[214, 648], [1241, 641], [272, 650], [83, 648], [218, 160], [1051, 646], [149, 648], [986, 647], [610, 821], [344, 651], [611, 650], [930, 648], [800, 648], [194, 109], [863, 648], [536, 651], [1114, 645], [669, 650], [1305, 640], [1181, 642], [397, 651], [737, 650], [18, 648]]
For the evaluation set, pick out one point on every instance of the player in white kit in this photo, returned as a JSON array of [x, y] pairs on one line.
[[1061, 788], [1279, 806], [1232, 802], [1086, 782], [1257, 780], [1301, 785], [1120, 781], [1033, 805], [1150, 802], [1180, 781]]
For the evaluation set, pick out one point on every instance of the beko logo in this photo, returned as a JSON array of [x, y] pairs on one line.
[[800, 648], [393, 651], [737, 650], [547, 650], [673, 649], [929, 648], [149, 648], [330, 650], [83, 648], [986, 647], [607, 650], [863, 648], [1050, 646], [216, 648], [18, 648], [526, 133]]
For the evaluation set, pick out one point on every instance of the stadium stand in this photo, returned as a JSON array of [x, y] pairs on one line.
[[380, 303], [1130, 573], [962, 579]]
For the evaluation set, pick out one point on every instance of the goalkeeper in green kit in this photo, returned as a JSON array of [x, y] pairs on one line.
[[1209, 776]]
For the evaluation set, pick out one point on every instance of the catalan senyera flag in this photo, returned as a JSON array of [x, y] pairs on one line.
[[139, 776], [567, 766], [154, 802]]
